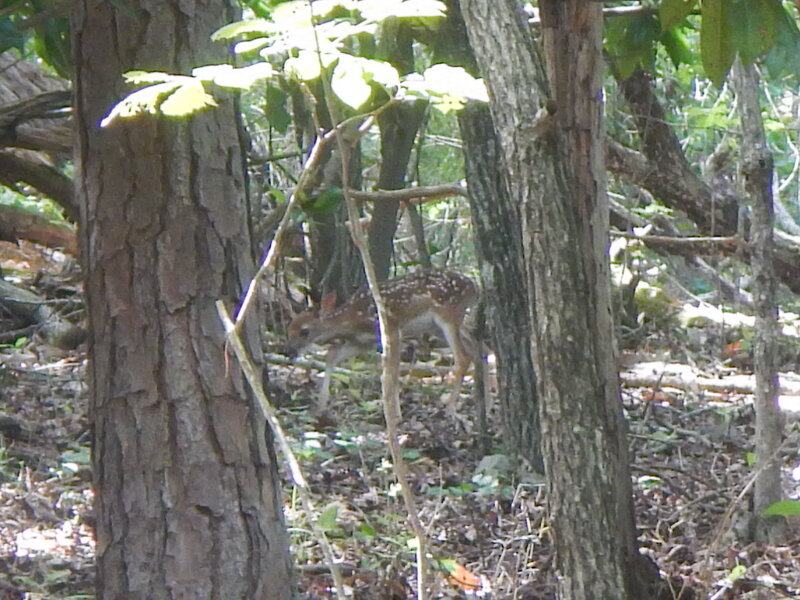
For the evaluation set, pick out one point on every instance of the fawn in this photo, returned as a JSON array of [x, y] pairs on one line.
[[419, 303]]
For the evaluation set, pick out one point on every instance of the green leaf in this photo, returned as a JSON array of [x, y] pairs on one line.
[[631, 41], [716, 47], [278, 116], [784, 56], [673, 12], [784, 508], [327, 520], [737, 572], [10, 35], [677, 47], [187, 99], [753, 28], [325, 202]]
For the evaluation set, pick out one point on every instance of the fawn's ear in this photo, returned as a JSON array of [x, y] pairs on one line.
[[328, 303]]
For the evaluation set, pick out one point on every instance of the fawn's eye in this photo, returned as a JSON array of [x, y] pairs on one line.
[[304, 332]]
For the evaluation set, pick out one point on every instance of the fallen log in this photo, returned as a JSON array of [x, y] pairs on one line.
[[31, 309]]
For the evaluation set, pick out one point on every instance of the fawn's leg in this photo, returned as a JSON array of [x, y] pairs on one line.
[[462, 358]]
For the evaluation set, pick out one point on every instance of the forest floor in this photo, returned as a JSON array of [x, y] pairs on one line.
[[691, 450]]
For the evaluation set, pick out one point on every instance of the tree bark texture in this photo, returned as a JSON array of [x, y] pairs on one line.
[[188, 502], [497, 228], [757, 168], [498, 239], [557, 175]]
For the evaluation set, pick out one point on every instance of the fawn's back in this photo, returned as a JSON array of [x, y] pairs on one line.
[[416, 304]]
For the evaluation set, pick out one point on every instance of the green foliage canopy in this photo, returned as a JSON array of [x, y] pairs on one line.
[[305, 42]]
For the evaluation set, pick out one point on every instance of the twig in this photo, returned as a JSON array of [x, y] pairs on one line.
[[390, 340]]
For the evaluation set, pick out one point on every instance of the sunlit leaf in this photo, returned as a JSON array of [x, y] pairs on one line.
[[248, 26], [187, 99], [209, 72], [380, 72], [445, 81], [139, 102], [250, 45], [295, 13], [243, 78], [378, 10], [148, 77], [349, 82], [307, 65]]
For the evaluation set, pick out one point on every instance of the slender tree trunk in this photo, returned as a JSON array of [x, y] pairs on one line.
[[188, 502], [554, 166], [757, 167], [398, 126]]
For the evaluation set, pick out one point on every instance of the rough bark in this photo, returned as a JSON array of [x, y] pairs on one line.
[[188, 502], [564, 232], [757, 168], [498, 239]]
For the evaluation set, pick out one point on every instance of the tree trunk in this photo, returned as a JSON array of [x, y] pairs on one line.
[[564, 214], [757, 167], [398, 126], [188, 502], [498, 239]]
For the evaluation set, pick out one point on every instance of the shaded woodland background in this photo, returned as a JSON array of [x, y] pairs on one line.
[[683, 307]]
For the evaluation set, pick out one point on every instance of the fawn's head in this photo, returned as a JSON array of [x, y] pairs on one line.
[[308, 325]]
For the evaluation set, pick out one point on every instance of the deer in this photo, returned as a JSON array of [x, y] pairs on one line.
[[420, 303]]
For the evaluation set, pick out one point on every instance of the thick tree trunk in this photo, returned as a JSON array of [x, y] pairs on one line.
[[564, 227], [498, 239], [757, 167], [188, 503]]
